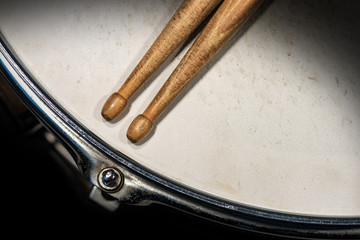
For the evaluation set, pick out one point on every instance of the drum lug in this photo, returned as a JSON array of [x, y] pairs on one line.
[[111, 177], [131, 189]]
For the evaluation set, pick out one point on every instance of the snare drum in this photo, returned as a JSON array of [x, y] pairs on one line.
[[266, 138]]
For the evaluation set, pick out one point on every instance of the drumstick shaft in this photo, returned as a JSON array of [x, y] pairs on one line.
[[185, 20], [226, 21]]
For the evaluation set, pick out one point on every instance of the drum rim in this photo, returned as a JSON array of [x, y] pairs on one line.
[[293, 224]]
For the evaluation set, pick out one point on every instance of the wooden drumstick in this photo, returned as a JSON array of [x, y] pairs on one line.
[[185, 20], [222, 26]]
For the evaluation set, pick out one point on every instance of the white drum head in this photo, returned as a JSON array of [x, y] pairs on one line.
[[272, 122]]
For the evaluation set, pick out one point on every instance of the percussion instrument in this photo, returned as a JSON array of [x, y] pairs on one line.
[[266, 138]]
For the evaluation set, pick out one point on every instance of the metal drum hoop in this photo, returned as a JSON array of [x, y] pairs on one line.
[[142, 186]]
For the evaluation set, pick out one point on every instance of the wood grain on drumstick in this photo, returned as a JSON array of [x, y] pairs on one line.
[[185, 20], [222, 26]]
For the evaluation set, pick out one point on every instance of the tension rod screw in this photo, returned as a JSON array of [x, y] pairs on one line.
[[110, 179]]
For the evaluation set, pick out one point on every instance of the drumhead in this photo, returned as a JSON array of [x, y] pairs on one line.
[[273, 122]]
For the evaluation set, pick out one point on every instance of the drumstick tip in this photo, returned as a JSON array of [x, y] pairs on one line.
[[113, 106], [139, 128]]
